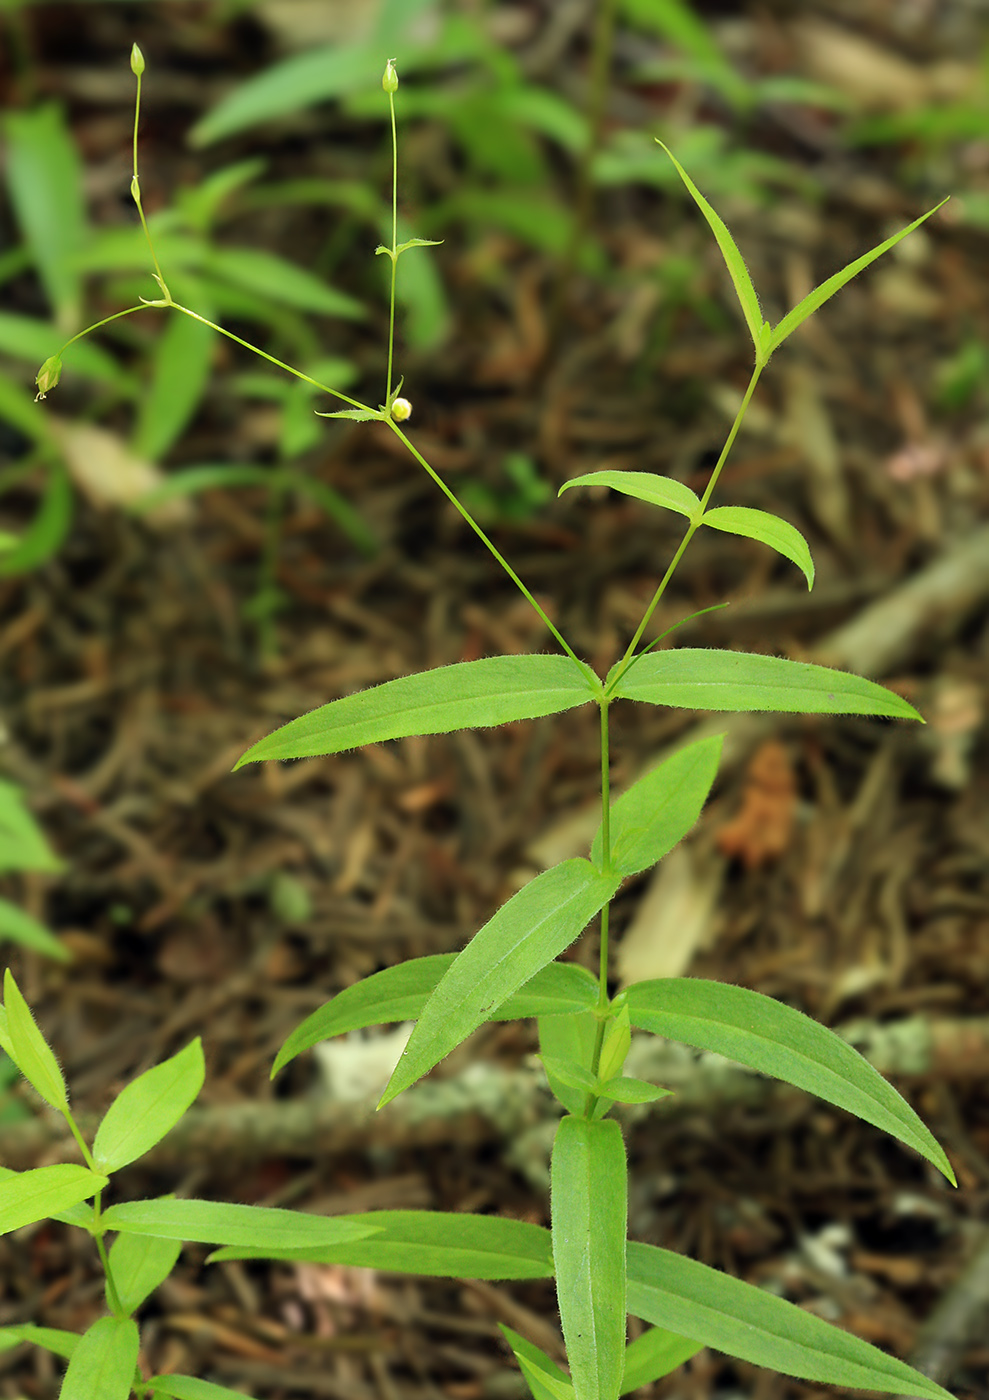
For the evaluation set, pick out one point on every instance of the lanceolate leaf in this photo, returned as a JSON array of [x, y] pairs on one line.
[[656, 1353], [589, 1191], [694, 678], [29, 1050], [657, 490], [35, 1195], [51, 1339], [103, 1363], [736, 1318], [148, 1108], [734, 261], [21, 928], [775, 1039], [400, 993], [436, 1243], [546, 1380], [827, 289], [494, 690], [192, 1388], [779, 534], [528, 932], [625, 1089], [138, 1264], [656, 813], [220, 1222]]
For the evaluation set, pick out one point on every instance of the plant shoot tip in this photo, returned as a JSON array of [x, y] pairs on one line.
[[136, 61], [389, 80]]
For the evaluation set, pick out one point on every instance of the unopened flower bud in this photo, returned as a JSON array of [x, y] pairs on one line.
[[400, 410], [136, 61], [390, 80], [49, 374]]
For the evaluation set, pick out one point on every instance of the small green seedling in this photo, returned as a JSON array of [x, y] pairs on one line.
[[511, 969]]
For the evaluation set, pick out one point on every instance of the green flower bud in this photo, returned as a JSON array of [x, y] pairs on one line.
[[400, 410], [390, 81], [48, 376], [136, 61]]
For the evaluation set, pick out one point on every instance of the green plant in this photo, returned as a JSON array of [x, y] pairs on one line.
[[23, 847], [511, 969]]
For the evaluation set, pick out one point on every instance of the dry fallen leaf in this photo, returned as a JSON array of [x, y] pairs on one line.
[[761, 831], [109, 474], [674, 919]]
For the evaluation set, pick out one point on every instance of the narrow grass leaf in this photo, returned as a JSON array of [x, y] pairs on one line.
[[827, 289], [644, 486], [139, 1264], [588, 1200], [189, 481], [49, 525], [21, 928], [38, 1194], [400, 993], [528, 932], [654, 1355], [180, 367], [104, 1362], [734, 1317], [777, 1040], [288, 86], [44, 179], [225, 1223], [734, 261], [52, 1339], [695, 678], [546, 1380], [192, 1388], [359, 415], [439, 1244], [30, 1051], [469, 694], [23, 845], [283, 281], [656, 813], [769, 529], [145, 1110]]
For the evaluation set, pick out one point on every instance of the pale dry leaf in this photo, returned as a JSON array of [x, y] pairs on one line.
[[761, 830], [110, 475], [875, 78], [675, 917], [808, 428]]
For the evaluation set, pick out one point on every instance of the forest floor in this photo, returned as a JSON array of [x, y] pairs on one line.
[[842, 866]]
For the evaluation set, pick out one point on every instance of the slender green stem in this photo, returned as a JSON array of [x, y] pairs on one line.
[[394, 244], [488, 544], [113, 1297], [129, 311], [692, 528], [280, 364], [135, 189], [87, 1156]]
